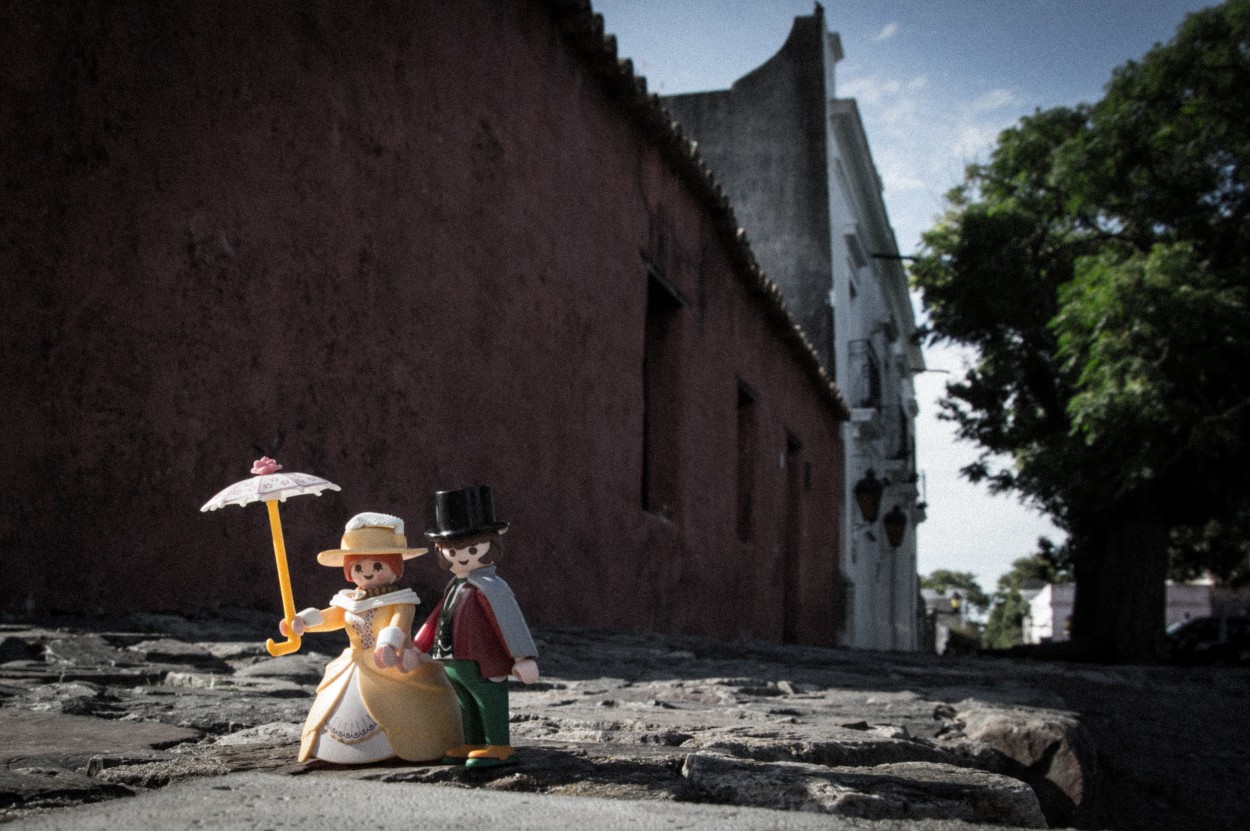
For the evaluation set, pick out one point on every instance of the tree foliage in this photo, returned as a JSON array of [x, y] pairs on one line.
[[1098, 264], [965, 582], [1049, 564]]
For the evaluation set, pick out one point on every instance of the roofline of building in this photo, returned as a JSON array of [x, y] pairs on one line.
[[583, 28]]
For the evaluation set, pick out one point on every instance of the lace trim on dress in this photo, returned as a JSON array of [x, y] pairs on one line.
[[363, 624]]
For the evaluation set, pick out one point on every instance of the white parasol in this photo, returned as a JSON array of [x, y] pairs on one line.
[[271, 487]]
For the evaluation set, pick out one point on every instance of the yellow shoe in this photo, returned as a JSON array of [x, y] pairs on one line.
[[491, 756], [460, 753]]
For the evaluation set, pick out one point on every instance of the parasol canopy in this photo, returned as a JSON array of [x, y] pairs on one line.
[[271, 487]]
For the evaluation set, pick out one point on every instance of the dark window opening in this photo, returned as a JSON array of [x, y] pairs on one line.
[[904, 449], [792, 542], [660, 400], [747, 428]]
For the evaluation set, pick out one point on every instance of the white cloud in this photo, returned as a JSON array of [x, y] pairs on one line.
[[899, 173], [888, 31], [995, 99], [923, 139], [976, 128], [974, 139], [868, 91]]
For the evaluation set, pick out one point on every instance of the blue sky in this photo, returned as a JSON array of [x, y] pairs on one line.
[[936, 80]]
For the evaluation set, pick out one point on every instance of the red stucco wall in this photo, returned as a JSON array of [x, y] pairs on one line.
[[406, 238]]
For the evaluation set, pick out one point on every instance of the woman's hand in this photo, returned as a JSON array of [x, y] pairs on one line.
[[299, 624], [386, 656], [390, 641], [296, 629]]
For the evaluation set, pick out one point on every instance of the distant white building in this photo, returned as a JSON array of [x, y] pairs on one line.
[[1049, 615], [795, 162]]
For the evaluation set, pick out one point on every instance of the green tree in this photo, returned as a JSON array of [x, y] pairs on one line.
[[1097, 263], [965, 582], [1049, 564]]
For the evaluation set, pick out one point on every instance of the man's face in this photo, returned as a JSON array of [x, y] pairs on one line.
[[369, 574], [466, 559]]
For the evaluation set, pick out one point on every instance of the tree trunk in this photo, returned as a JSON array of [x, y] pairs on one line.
[[1119, 611]]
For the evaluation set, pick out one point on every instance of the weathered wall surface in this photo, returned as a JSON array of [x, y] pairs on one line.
[[765, 139], [396, 245]]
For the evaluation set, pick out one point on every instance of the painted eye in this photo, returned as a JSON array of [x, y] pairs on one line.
[[357, 568], [473, 550]]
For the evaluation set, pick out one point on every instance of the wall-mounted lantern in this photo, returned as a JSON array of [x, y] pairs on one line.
[[868, 492], [957, 602], [895, 523]]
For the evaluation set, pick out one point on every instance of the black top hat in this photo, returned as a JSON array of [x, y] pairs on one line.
[[464, 513]]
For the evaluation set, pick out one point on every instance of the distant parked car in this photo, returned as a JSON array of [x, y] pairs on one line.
[[1211, 640]]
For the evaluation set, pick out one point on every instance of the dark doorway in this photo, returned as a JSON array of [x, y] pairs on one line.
[[792, 541], [661, 403]]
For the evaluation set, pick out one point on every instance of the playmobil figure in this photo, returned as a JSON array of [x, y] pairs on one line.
[[477, 630], [377, 700]]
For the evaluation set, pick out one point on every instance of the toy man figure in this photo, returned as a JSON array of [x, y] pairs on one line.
[[477, 630]]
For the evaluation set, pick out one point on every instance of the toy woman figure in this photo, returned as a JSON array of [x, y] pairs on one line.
[[376, 700]]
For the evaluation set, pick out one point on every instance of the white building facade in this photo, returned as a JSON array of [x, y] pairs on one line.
[[877, 357], [1049, 615], [796, 164]]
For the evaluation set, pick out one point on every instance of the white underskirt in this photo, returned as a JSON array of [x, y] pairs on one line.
[[350, 736]]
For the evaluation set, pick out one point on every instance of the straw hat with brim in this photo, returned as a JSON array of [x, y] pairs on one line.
[[372, 539]]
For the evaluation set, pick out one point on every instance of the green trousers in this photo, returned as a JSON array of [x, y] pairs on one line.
[[483, 703]]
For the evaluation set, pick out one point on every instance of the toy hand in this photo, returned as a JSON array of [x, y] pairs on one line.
[[296, 628], [525, 670], [386, 656], [410, 660]]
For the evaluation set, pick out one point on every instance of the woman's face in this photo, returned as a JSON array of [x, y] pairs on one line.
[[369, 574]]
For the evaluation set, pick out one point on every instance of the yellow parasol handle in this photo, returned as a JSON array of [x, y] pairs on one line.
[[284, 582]]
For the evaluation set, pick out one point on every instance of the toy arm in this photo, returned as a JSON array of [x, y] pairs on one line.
[[313, 620], [393, 643], [524, 667], [424, 641], [330, 619], [401, 618]]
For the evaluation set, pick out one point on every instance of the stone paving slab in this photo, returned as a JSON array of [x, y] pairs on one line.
[[33, 738], [909, 790], [910, 740], [30, 789], [270, 802]]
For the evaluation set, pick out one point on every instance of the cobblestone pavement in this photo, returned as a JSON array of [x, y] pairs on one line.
[[93, 711]]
